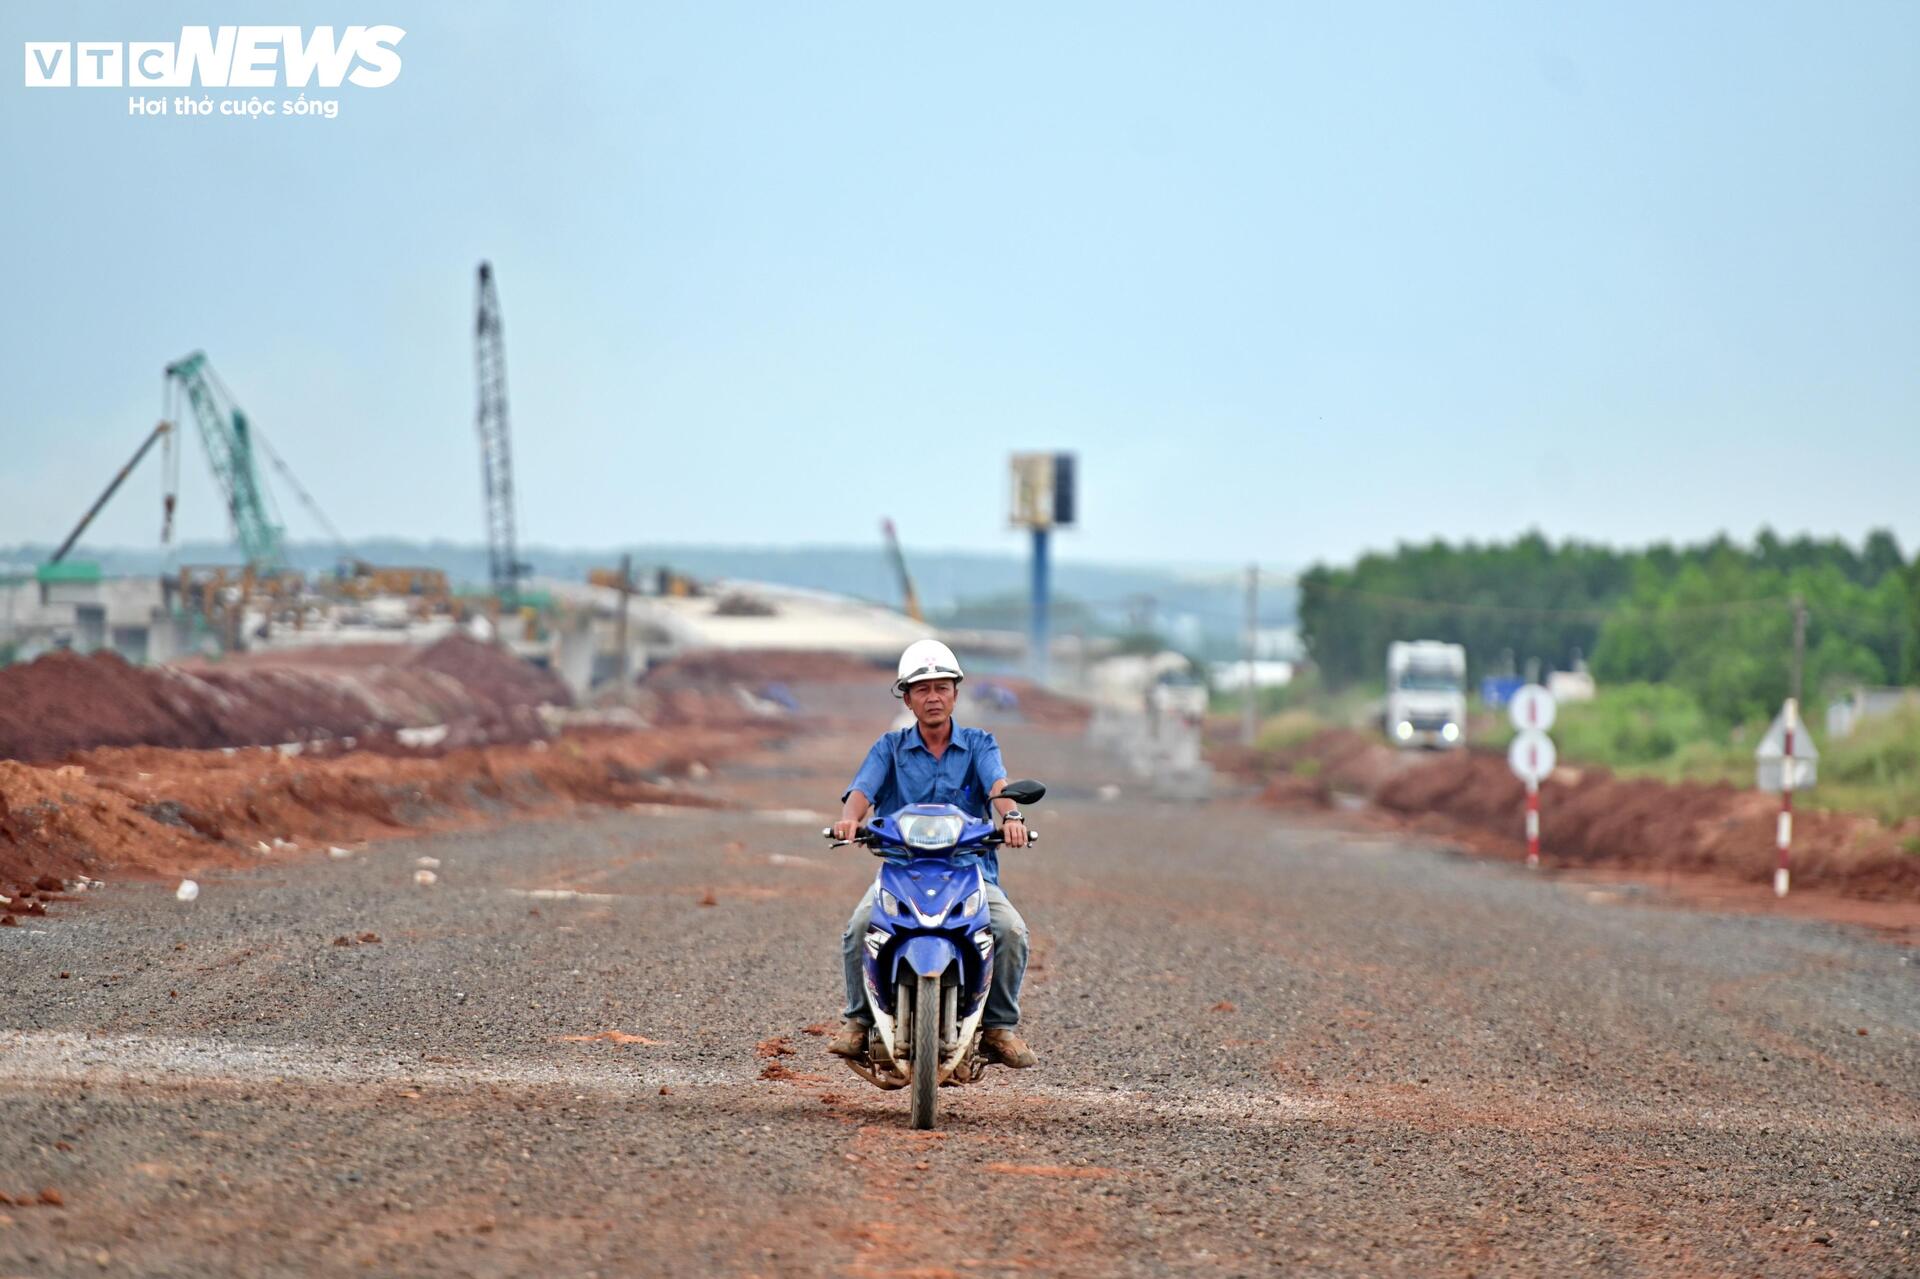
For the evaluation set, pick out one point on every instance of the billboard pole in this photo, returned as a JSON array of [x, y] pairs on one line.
[[1038, 621], [1044, 498]]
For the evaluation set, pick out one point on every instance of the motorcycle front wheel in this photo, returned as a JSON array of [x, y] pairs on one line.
[[926, 1051]]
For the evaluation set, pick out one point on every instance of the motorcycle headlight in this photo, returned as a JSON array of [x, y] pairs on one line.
[[932, 830], [971, 906], [891, 904]]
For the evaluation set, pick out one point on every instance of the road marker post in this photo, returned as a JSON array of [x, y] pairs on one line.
[[1786, 760], [1783, 829], [1533, 825], [1532, 756]]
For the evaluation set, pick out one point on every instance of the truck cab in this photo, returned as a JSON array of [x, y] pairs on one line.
[[1426, 694]]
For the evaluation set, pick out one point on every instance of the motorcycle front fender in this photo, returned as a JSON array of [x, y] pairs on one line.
[[925, 957]]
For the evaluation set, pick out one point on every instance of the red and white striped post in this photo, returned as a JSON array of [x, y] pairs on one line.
[[1783, 830], [1789, 721], [1531, 755], [1533, 797], [1533, 824]]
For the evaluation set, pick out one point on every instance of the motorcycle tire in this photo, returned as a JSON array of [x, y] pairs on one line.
[[926, 1051]]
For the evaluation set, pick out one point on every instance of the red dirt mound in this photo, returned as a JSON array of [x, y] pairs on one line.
[[148, 811], [741, 689], [61, 702], [492, 674], [720, 666], [1590, 817], [1045, 708]]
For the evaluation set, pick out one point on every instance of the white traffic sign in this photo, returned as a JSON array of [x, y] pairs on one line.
[[1531, 757], [1770, 757], [1532, 707]]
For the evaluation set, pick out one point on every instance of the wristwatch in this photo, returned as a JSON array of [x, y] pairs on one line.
[[1011, 815]]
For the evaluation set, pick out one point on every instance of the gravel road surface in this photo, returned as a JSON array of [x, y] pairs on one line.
[[592, 1047]]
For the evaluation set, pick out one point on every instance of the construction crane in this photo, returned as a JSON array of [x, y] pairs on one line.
[[496, 454], [910, 597], [229, 442]]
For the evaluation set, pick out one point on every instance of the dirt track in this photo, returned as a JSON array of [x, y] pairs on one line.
[[1266, 1045]]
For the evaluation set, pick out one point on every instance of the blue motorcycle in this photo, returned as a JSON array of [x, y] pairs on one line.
[[929, 959]]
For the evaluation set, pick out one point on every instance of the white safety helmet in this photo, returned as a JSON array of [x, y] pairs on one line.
[[924, 660]]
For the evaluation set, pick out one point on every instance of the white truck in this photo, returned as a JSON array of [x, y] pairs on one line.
[[1426, 694]]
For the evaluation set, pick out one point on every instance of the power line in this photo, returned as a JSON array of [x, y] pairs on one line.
[[1590, 614], [300, 491]]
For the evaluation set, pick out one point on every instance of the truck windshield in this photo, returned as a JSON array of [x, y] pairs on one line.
[[1428, 680]]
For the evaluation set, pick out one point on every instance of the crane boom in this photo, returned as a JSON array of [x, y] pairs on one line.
[[910, 598], [153, 437], [496, 455], [229, 444]]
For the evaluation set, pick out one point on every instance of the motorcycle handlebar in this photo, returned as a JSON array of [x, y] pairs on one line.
[[865, 837]]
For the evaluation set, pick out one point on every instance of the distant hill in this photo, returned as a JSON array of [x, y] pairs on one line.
[[1202, 607]]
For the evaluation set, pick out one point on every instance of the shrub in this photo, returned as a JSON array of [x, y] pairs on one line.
[[1288, 729], [1631, 724]]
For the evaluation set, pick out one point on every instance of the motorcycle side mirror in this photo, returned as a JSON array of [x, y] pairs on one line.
[[1023, 792]]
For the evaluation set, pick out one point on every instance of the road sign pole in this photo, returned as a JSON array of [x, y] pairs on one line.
[[1533, 825], [1531, 755], [1783, 830]]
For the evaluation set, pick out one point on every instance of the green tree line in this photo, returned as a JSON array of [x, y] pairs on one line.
[[1714, 619]]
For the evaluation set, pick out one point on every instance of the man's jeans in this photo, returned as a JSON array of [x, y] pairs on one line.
[[1009, 960]]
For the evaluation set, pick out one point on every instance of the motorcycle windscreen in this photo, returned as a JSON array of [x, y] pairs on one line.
[[931, 891]]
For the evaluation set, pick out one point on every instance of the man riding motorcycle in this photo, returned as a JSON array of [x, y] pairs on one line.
[[934, 761]]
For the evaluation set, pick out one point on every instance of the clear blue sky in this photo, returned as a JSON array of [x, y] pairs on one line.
[[1294, 280]]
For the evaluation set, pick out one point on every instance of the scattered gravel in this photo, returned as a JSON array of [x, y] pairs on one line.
[[1266, 1046]]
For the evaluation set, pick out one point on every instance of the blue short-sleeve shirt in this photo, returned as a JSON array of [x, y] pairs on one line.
[[900, 770]]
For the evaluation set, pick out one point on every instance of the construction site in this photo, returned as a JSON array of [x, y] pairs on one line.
[[356, 868], [251, 818], [1352, 652]]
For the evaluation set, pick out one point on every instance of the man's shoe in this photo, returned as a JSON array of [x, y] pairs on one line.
[[851, 1042], [1007, 1048]]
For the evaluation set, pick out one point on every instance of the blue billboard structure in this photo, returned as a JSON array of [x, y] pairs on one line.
[[1045, 497]]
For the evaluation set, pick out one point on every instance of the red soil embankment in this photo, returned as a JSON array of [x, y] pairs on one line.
[[1044, 708], [1590, 817], [308, 756], [741, 688], [151, 812], [62, 702]]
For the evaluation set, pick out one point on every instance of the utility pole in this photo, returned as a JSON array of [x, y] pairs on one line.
[[625, 665], [1799, 646], [1249, 709]]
